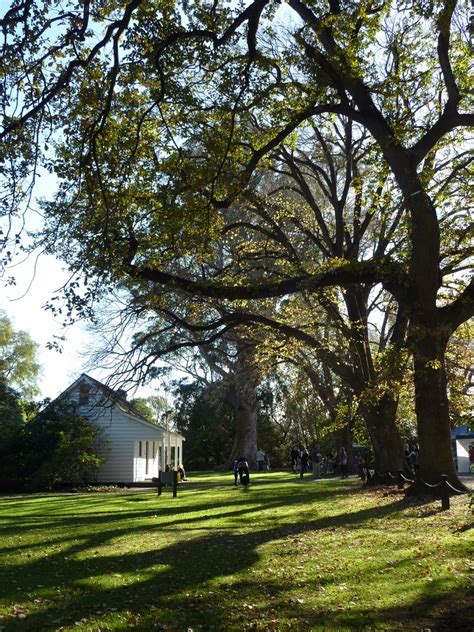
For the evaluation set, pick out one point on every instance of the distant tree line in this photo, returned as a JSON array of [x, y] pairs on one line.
[[44, 446]]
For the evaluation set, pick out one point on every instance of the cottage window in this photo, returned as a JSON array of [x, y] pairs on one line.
[[140, 452], [146, 457]]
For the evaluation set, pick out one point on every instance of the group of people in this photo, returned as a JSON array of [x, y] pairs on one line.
[[312, 460], [179, 469], [304, 460]]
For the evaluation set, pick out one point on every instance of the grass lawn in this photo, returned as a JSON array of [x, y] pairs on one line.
[[282, 555]]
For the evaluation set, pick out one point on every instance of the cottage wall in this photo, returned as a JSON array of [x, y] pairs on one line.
[[462, 451], [133, 449], [120, 445]]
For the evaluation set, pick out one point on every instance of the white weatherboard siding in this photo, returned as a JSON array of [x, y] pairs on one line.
[[121, 435], [132, 447], [462, 450], [145, 460]]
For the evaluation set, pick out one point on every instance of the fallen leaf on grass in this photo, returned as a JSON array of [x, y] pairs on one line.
[[19, 612], [132, 619]]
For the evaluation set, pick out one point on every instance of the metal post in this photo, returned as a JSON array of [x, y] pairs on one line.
[[444, 492], [175, 483]]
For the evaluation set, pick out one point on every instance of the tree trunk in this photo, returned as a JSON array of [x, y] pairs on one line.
[[427, 338], [381, 416], [432, 408], [389, 453], [245, 438], [246, 382]]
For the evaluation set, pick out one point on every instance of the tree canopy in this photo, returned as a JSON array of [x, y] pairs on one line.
[[19, 367], [162, 122]]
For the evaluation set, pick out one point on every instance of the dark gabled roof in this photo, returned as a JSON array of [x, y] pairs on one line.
[[116, 397]]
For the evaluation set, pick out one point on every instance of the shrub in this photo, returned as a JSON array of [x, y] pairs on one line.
[[56, 448]]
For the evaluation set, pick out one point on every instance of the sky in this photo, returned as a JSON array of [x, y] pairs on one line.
[[36, 282], [37, 279]]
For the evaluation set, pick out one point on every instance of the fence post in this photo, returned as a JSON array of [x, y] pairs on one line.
[[399, 480], [444, 492], [419, 484], [175, 483]]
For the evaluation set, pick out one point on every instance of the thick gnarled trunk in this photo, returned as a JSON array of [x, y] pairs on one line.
[[427, 337], [246, 381], [379, 413], [432, 408], [245, 438], [389, 453]]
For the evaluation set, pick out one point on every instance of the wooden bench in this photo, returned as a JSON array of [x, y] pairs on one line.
[[168, 478]]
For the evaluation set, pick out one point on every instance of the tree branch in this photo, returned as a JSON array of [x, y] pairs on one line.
[[346, 273], [460, 310]]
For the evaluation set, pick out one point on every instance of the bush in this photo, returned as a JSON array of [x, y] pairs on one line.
[[58, 447]]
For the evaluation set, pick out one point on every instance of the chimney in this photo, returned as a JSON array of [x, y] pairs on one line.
[[121, 393]]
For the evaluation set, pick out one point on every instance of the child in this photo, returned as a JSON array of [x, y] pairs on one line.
[[236, 472]]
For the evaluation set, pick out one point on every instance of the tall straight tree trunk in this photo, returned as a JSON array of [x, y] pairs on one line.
[[432, 408], [246, 381], [427, 337]]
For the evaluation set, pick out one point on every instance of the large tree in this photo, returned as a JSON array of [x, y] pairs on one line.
[[172, 110], [19, 366]]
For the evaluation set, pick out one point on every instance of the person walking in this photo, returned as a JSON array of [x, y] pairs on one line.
[[260, 458], [315, 456], [362, 468], [342, 462]]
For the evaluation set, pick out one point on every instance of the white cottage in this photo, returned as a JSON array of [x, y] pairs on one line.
[[133, 448], [463, 448]]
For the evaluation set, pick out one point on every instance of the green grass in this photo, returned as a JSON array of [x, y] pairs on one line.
[[281, 555]]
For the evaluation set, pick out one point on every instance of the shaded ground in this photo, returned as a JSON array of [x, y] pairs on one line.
[[281, 555]]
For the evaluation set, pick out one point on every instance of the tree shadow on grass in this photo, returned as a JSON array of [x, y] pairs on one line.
[[237, 496], [170, 582], [157, 584]]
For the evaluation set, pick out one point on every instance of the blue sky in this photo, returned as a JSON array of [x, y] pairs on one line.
[[36, 282]]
